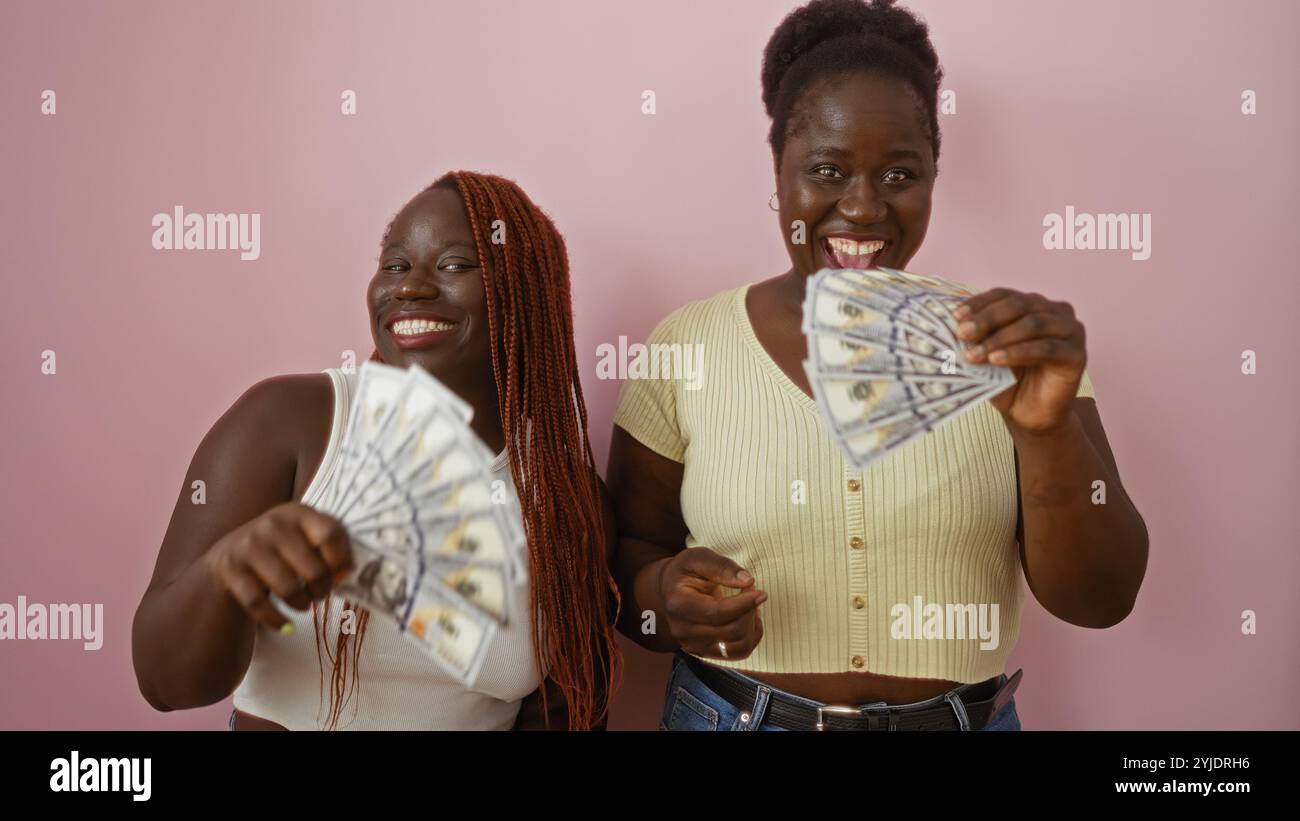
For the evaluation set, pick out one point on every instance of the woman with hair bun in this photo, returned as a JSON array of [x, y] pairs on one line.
[[787, 615]]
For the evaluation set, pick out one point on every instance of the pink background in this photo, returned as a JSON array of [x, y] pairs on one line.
[[234, 106]]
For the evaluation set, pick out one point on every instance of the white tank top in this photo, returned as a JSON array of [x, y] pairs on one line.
[[400, 687]]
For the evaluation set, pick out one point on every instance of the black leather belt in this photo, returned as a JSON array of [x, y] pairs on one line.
[[968, 707]]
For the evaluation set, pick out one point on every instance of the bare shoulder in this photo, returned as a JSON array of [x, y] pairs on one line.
[[284, 419], [284, 405], [250, 460]]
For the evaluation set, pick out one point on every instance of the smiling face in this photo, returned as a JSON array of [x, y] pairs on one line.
[[427, 304], [859, 171]]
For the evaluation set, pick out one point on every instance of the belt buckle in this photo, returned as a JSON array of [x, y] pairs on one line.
[[839, 710]]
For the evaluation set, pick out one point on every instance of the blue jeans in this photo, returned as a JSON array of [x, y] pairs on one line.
[[690, 705]]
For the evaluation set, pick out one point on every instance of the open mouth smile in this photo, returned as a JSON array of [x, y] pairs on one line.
[[849, 253], [418, 331]]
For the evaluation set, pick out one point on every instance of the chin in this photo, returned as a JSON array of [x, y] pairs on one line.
[[432, 364]]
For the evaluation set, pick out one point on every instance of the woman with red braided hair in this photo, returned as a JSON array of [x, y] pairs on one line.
[[486, 269]]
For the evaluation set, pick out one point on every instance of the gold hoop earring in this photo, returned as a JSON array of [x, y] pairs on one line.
[[771, 200]]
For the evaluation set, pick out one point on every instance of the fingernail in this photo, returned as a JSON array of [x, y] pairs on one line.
[[287, 629], [962, 312], [966, 328], [744, 578], [998, 357], [976, 351]]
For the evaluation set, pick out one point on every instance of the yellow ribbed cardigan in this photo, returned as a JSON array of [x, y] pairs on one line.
[[837, 550]]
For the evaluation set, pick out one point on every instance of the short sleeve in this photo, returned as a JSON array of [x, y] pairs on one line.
[[1085, 388], [647, 408]]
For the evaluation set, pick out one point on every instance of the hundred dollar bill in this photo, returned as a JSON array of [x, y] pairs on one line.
[[944, 289], [482, 535], [868, 446], [459, 477], [889, 287], [451, 630], [834, 353], [397, 472], [835, 299], [827, 313], [385, 579], [937, 295], [461, 494], [884, 360], [384, 582], [421, 403], [936, 304], [379, 389], [855, 403], [483, 584], [837, 355]]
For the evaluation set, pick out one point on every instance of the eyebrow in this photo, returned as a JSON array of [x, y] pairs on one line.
[[905, 152], [893, 153], [441, 245]]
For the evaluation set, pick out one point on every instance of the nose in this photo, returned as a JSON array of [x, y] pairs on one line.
[[418, 283], [861, 203]]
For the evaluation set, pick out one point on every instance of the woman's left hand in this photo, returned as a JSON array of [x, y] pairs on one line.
[[1042, 343]]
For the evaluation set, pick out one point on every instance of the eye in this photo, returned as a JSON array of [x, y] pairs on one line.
[[397, 266], [903, 172], [828, 172], [457, 266]]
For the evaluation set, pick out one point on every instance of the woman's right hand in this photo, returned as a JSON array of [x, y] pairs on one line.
[[700, 615], [291, 550]]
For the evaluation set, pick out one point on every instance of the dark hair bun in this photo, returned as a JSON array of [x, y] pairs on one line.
[[847, 35], [807, 27]]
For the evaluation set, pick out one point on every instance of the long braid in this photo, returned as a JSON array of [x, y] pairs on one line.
[[346, 655], [544, 421]]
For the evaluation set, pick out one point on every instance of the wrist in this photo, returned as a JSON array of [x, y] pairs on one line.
[[657, 569], [1068, 428], [651, 595]]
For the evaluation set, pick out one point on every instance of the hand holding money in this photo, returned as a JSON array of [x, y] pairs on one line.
[[884, 360], [437, 540], [291, 551], [1042, 343]]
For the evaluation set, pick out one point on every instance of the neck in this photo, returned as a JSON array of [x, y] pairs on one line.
[[790, 288], [486, 423]]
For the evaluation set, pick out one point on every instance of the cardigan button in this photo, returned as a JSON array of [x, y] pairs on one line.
[[856, 543], [857, 662], [854, 485]]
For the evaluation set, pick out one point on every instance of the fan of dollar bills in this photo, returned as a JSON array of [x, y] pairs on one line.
[[884, 360], [436, 543]]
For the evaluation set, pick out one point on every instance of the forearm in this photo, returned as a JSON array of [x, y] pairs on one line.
[[1084, 561], [191, 642], [637, 571]]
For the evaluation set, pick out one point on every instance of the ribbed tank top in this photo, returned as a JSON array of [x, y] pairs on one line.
[[400, 687]]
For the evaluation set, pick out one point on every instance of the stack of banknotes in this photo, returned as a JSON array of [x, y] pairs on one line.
[[436, 537], [884, 360]]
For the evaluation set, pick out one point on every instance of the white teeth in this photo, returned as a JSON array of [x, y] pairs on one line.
[[413, 327], [848, 246]]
